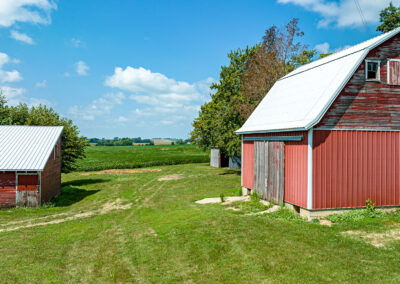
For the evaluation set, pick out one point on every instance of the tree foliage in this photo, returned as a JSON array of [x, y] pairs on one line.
[[72, 145], [244, 83], [218, 119], [280, 53], [389, 18], [322, 55]]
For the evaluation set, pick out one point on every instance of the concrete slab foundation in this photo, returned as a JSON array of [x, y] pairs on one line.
[[320, 213]]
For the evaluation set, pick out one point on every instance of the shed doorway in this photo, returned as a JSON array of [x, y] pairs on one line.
[[27, 190], [269, 170]]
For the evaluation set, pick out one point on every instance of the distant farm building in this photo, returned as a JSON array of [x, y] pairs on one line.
[[30, 165], [327, 135], [160, 141], [219, 160]]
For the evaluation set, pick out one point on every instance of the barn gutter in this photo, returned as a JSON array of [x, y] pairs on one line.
[[274, 138]]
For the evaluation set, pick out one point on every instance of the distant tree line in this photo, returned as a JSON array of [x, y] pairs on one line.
[[126, 141]]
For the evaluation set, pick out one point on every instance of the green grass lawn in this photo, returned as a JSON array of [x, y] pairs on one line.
[[164, 237], [125, 157]]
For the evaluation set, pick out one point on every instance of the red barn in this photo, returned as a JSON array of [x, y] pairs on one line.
[[30, 165], [327, 135]]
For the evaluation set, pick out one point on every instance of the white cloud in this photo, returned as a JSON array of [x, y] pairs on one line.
[[164, 100], [122, 119], [81, 68], [41, 84], [21, 37], [341, 48], [322, 47], [343, 13], [8, 76], [15, 96], [26, 11], [143, 80], [166, 122], [76, 42], [156, 89], [98, 107]]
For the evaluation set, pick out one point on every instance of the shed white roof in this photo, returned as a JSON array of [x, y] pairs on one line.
[[27, 148], [300, 99]]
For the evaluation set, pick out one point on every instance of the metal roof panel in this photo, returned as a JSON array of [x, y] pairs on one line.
[[26, 148], [300, 99]]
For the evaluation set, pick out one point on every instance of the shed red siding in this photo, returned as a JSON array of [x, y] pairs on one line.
[[364, 104], [351, 166], [7, 189], [295, 166], [28, 182], [50, 181], [51, 176]]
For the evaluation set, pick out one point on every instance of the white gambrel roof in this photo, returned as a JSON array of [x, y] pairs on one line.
[[299, 100], [27, 148]]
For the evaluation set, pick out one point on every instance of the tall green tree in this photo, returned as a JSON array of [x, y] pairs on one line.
[[72, 144], [280, 52], [218, 119], [243, 84], [389, 18]]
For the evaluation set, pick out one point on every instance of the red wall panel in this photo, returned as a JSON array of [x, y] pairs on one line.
[[295, 166], [28, 182], [7, 189], [248, 164], [351, 166], [296, 171]]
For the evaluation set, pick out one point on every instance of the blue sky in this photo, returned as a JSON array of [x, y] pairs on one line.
[[143, 68]]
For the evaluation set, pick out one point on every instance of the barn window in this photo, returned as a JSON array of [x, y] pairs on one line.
[[393, 74], [372, 68]]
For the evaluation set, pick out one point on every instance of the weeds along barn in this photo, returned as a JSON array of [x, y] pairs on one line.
[[327, 135], [30, 165]]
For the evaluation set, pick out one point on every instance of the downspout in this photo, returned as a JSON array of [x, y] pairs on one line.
[[241, 163], [310, 169]]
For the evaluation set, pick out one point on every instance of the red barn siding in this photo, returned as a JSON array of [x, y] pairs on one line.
[[295, 166], [248, 164], [351, 166], [365, 104], [7, 189], [296, 171]]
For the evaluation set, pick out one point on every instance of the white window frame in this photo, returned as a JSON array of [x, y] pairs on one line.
[[388, 68], [378, 71]]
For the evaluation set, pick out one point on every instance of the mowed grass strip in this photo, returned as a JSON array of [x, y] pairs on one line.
[[128, 157], [166, 238]]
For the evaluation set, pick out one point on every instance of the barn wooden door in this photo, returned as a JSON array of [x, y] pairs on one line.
[[259, 184], [269, 170], [27, 190]]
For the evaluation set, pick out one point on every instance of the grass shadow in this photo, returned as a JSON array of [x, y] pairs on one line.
[[70, 195], [231, 172], [80, 182]]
